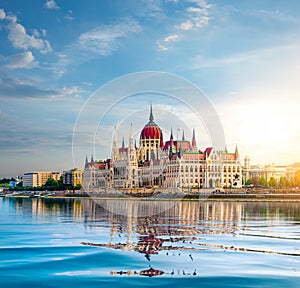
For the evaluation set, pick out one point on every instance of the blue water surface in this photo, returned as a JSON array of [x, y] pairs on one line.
[[122, 243]]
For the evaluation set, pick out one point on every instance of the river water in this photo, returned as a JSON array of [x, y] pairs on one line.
[[126, 243]]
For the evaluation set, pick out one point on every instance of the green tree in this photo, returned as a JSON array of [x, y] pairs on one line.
[[263, 181], [273, 182], [60, 182], [283, 182], [249, 181], [20, 184], [77, 187], [51, 183]]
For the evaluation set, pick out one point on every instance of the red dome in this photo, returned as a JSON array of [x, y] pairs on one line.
[[152, 131]]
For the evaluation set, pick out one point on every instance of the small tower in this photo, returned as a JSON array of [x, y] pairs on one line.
[[171, 137], [194, 144], [236, 152], [132, 149], [115, 149], [183, 138], [180, 153]]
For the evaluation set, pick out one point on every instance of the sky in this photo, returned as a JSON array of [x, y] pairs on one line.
[[59, 57]]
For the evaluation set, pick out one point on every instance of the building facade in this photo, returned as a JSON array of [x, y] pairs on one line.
[[72, 177], [37, 179], [265, 171], [174, 164]]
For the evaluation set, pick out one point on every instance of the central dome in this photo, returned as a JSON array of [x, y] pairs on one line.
[[151, 129]]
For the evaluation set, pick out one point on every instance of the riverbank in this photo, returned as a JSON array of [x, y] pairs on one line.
[[251, 197]]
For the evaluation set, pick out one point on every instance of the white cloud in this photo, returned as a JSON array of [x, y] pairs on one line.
[[171, 38], [187, 25], [162, 45], [21, 40], [2, 14], [74, 91], [194, 9], [22, 61], [51, 4], [197, 17], [200, 62], [103, 40]]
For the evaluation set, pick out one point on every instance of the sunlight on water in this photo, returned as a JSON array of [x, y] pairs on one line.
[[59, 242]]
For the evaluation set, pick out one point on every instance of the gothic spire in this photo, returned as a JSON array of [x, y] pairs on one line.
[[183, 138], [180, 151], [151, 118], [130, 134], [194, 144], [236, 151]]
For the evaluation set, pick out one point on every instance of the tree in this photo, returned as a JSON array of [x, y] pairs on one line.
[[20, 184], [51, 183], [77, 187], [60, 182], [273, 182], [263, 181], [249, 182], [283, 182], [297, 178]]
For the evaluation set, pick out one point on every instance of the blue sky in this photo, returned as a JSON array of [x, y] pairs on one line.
[[244, 55]]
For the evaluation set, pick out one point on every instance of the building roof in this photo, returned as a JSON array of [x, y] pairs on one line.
[[151, 129], [193, 156]]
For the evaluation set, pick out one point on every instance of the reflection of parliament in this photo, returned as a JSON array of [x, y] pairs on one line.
[[155, 164]]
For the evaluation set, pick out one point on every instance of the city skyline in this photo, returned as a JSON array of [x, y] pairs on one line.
[[243, 56]]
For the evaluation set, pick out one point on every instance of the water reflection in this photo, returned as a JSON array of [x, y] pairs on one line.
[[178, 229]]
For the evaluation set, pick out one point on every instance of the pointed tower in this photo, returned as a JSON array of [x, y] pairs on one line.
[[226, 150], [123, 143], [132, 164], [171, 136], [180, 153], [171, 142], [194, 144], [115, 149], [131, 149], [236, 152], [92, 159], [183, 138], [151, 118]]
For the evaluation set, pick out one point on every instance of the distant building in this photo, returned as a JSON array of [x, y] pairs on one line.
[[15, 181], [36, 179], [291, 170], [155, 164], [72, 177], [266, 171]]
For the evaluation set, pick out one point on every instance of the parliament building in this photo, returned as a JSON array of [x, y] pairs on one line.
[[154, 164]]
